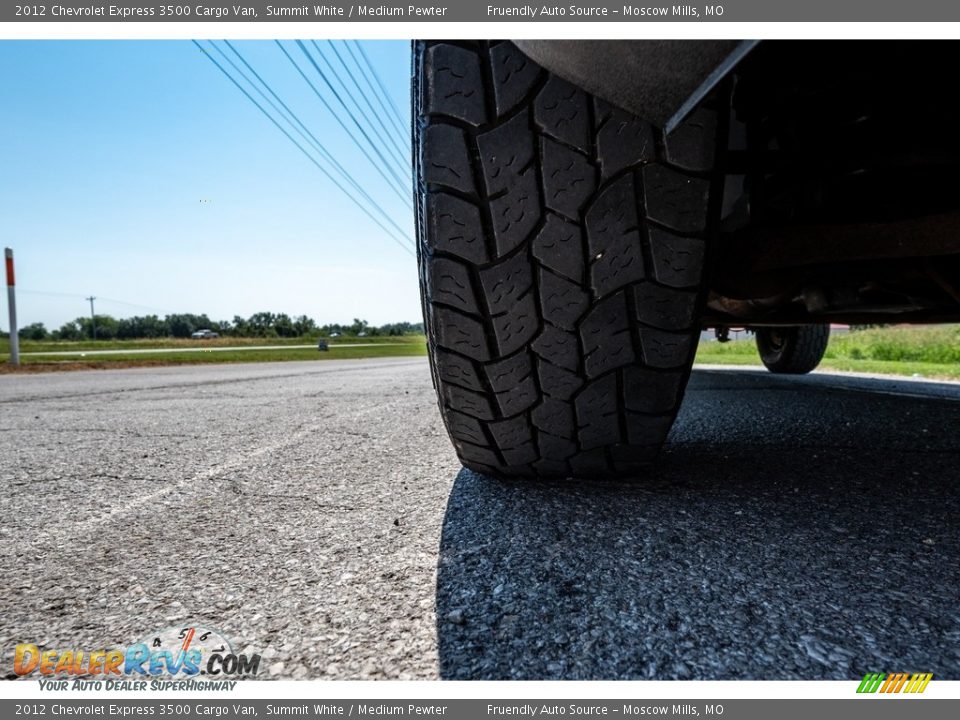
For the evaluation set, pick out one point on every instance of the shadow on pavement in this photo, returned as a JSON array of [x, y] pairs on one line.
[[793, 528]]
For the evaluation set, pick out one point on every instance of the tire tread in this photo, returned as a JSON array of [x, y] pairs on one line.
[[561, 248]]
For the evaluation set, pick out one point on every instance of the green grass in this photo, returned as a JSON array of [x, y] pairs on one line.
[[932, 344], [225, 356], [68, 345], [121, 360], [925, 351], [932, 351]]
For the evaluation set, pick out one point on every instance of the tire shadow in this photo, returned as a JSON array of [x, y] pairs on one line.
[[799, 528]]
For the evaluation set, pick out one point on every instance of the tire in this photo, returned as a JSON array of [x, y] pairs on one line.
[[561, 244], [792, 350]]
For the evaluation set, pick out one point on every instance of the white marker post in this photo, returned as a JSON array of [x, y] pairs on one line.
[[12, 304]]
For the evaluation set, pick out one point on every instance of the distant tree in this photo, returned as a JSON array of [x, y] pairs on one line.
[[185, 324], [283, 326], [180, 326], [240, 327], [224, 327], [70, 331], [304, 326], [261, 324], [128, 328], [392, 329], [400, 328], [331, 328], [33, 331], [107, 327], [149, 326]]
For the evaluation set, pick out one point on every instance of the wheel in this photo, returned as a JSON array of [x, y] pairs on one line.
[[561, 243], [792, 350]]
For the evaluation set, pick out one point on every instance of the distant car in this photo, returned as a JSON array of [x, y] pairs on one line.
[[361, 334], [334, 334], [204, 335]]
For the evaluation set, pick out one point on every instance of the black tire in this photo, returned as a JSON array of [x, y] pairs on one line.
[[792, 350], [561, 248]]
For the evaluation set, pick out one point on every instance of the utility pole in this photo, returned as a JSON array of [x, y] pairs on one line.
[[12, 306], [93, 317]]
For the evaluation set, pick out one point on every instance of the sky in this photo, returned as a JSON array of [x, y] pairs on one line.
[[136, 172]]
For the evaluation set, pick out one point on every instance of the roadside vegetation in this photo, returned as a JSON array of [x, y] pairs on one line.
[[349, 349], [263, 337], [922, 351], [259, 325], [39, 346]]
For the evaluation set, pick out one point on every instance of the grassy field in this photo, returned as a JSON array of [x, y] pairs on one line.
[[367, 348], [924, 351], [932, 352], [27, 346]]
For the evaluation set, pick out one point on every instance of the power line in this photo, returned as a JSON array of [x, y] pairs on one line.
[[111, 301], [300, 147], [373, 71], [303, 130], [107, 300], [384, 96], [292, 115], [385, 138], [401, 133], [337, 74], [46, 292], [402, 137], [402, 191], [356, 122], [310, 157]]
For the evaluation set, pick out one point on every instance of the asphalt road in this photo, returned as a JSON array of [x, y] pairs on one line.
[[315, 513]]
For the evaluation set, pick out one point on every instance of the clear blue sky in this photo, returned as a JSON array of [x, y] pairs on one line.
[[136, 171]]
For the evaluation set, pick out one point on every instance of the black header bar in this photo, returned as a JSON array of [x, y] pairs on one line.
[[897, 11]]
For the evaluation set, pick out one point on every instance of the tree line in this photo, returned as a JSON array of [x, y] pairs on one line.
[[258, 325]]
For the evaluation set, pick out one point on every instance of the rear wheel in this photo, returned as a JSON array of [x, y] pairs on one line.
[[792, 350], [561, 247]]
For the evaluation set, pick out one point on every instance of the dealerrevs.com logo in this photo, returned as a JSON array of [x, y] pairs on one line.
[[173, 652]]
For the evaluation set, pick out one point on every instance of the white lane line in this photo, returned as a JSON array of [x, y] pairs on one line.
[[240, 462], [209, 473]]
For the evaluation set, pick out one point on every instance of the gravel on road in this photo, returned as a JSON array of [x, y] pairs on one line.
[[316, 514], [294, 506]]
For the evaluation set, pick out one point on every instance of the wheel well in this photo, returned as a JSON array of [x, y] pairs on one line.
[[841, 197]]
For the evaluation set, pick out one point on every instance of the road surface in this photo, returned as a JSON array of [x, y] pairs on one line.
[[316, 514]]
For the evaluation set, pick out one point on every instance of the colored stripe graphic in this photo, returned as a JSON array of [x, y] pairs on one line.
[[870, 682], [894, 682], [920, 684]]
